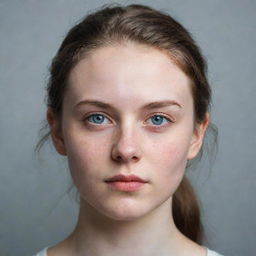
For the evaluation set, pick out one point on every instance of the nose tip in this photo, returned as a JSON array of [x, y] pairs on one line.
[[119, 156], [125, 149]]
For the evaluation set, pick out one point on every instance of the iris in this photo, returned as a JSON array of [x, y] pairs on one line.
[[96, 118], [157, 119]]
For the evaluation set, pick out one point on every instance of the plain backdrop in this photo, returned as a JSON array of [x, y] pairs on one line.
[[35, 208]]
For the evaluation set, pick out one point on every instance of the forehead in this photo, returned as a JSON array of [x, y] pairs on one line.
[[129, 72]]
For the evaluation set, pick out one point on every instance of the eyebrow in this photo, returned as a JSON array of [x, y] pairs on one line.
[[151, 105]]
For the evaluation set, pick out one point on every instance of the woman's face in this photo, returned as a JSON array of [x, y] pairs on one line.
[[128, 110]]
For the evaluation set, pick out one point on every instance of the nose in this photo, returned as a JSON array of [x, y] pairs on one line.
[[126, 147]]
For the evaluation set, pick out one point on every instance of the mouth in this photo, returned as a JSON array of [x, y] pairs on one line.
[[125, 178], [126, 183]]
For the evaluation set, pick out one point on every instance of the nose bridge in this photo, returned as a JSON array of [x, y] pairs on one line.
[[126, 136], [126, 145]]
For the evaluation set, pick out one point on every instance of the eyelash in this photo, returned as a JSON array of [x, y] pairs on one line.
[[167, 119]]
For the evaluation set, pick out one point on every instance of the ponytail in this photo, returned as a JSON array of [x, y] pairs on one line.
[[186, 212]]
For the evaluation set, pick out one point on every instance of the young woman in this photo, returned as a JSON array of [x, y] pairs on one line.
[[128, 104]]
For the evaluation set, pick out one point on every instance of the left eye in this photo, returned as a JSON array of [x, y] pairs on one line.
[[159, 119], [97, 119]]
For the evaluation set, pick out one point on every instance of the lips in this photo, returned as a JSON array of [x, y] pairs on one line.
[[125, 183], [126, 178]]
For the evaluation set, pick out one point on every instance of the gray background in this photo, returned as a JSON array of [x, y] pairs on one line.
[[36, 210]]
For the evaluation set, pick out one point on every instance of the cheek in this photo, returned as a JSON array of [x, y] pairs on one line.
[[85, 159], [170, 161]]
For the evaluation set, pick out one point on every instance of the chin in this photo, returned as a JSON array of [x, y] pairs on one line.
[[124, 217], [126, 210]]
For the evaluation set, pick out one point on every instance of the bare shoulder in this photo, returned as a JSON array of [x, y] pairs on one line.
[[197, 250], [188, 246], [62, 248]]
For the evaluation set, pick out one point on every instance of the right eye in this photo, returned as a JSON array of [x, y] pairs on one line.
[[97, 119]]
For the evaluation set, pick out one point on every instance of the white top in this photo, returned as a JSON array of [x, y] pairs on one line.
[[209, 253]]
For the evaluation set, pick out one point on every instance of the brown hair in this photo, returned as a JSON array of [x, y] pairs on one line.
[[144, 25]]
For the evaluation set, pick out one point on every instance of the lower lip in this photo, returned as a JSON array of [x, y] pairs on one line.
[[126, 186]]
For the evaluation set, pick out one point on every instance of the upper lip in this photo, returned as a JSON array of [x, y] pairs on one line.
[[125, 178]]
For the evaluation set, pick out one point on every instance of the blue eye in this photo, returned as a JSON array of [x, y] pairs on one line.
[[96, 118], [101, 119], [158, 119]]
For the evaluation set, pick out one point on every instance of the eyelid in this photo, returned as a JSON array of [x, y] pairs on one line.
[[170, 119]]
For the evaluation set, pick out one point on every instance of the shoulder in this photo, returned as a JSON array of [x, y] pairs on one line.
[[212, 253], [42, 253]]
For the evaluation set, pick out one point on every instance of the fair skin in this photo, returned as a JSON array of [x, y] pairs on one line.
[[128, 110]]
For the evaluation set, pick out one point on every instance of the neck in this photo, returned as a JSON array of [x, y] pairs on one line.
[[153, 234]]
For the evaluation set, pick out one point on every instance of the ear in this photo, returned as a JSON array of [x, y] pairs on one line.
[[197, 138], [56, 132]]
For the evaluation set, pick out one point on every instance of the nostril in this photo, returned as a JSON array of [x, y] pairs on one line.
[[124, 157], [119, 158], [125, 152]]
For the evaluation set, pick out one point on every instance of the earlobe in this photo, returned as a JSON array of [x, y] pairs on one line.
[[197, 138], [56, 132]]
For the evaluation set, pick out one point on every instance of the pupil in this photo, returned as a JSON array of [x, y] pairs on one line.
[[157, 119], [98, 118]]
